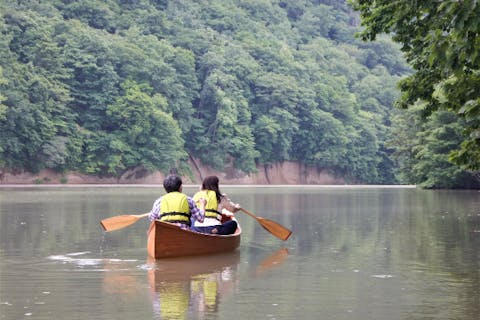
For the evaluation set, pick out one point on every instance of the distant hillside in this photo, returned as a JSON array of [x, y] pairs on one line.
[[108, 87]]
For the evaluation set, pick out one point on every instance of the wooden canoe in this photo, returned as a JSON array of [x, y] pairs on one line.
[[167, 240]]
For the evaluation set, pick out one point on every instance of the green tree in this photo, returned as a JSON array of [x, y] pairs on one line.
[[140, 133], [321, 140], [440, 41], [3, 108], [223, 119], [35, 94], [98, 15], [424, 159], [95, 82], [168, 70]]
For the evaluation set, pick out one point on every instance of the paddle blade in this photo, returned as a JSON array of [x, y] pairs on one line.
[[275, 228], [119, 222]]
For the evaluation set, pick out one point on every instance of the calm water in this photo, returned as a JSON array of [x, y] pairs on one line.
[[355, 253]]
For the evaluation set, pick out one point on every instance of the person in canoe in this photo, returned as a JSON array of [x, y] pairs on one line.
[[176, 207], [219, 207]]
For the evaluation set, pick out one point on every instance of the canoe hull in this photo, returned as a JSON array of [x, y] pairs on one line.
[[166, 240]]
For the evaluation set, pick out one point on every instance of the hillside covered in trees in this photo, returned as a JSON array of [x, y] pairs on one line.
[[102, 87]]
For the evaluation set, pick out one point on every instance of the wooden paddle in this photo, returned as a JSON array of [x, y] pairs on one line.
[[274, 228], [119, 222]]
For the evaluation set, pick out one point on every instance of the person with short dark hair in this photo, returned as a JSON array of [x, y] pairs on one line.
[[176, 207], [219, 209]]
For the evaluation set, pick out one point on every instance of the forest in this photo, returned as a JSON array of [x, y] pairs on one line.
[[102, 87]]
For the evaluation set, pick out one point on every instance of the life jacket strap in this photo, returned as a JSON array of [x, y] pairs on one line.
[[176, 217], [212, 213]]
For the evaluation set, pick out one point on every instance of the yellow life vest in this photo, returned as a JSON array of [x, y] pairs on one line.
[[210, 289], [206, 285], [211, 209], [174, 208], [174, 300]]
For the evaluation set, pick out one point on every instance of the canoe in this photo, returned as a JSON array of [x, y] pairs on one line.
[[166, 240]]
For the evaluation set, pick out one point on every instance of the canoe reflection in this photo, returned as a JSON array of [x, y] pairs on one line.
[[184, 287], [191, 285]]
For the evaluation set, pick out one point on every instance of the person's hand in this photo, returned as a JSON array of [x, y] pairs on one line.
[[237, 207], [202, 202], [227, 214]]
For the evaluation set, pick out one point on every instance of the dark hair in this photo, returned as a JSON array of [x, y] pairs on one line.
[[211, 183], [172, 183]]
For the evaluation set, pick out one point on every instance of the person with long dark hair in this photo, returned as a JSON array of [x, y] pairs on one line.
[[218, 208]]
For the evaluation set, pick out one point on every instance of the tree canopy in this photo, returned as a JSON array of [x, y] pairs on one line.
[[441, 41]]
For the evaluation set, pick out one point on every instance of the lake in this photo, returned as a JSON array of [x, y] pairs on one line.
[[355, 253]]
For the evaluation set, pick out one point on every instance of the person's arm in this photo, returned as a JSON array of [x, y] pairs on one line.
[[155, 213], [198, 213], [226, 203]]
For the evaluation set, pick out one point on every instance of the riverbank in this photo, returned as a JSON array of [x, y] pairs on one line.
[[306, 186], [285, 173]]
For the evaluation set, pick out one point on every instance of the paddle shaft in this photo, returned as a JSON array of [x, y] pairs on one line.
[[249, 213]]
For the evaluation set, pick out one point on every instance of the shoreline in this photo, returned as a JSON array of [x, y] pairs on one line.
[[336, 186]]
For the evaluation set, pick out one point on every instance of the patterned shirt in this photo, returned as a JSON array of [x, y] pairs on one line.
[[197, 214]]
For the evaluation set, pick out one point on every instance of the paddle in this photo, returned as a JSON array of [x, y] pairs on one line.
[[119, 222], [274, 228]]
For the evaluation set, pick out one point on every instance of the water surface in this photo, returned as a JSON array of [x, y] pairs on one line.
[[355, 253]]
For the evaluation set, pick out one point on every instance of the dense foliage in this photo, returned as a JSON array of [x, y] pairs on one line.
[[422, 149], [440, 40], [104, 87]]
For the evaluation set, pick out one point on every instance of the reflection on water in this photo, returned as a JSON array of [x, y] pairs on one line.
[[179, 288], [184, 287], [355, 253], [191, 286], [94, 264], [274, 260]]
